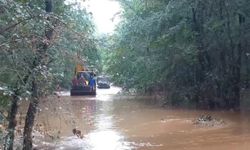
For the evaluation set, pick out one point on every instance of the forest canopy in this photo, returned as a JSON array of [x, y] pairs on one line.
[[41, 42], [196, 51]]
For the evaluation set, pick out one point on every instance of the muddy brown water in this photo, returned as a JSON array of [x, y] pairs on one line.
[[112, 122]]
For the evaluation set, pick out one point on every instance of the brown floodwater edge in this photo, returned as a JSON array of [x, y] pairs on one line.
[[116, 122]]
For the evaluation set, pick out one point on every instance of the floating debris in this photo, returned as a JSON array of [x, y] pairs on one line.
[[208, 121]]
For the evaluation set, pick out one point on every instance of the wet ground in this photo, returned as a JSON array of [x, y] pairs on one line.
[[109, 121]]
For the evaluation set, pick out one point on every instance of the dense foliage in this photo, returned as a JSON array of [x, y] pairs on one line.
[[196, 50], [41, 41], [22, 32]]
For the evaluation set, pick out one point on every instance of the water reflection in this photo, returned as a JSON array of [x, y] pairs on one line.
[[105, 135], [105, 138], [111, 122], [98, 112]]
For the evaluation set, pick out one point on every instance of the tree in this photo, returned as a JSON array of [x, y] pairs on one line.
[[32, 56], [193, 49]]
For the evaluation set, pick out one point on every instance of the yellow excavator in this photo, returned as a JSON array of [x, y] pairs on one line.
[[83, 82]]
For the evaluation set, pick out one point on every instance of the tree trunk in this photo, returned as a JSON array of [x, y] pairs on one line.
[[9, 141], [30, 118], [238, 65], [197, 27]]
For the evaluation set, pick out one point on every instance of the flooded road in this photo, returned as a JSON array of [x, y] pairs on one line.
[[113, 122]]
